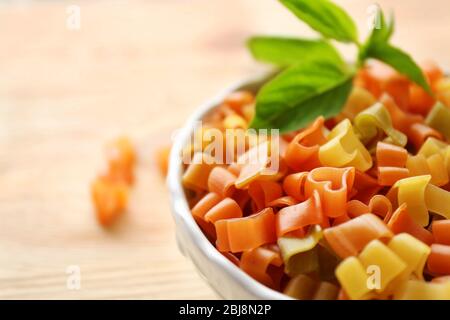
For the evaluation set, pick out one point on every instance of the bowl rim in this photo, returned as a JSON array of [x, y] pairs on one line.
[[180, 207]]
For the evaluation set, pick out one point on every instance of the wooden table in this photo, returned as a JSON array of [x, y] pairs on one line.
[[137, 68]]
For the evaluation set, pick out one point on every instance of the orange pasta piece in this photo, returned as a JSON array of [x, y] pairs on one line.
[[355, 208], [293, 185], [162, 159], [342, 295], [341, 219], [298, 216], [302, 153], [432, 71], [241, 197], [110, 199], [205, 204], [410, 124], [234, 168], [388, 176], [401, 120], [234, 260], [420, 101], [380, 206], [237, 100], [247, 233], [441, 231], [364, 187], [225, 209], [419, 132], [401, 221], [378, 78], [283, 202], [441, 279], [389, 155], [439, 259], [263, 192], [201, 208], [256, 261], [333, 185], [303, 287], [349, 238], [121, 159], [221, 181]]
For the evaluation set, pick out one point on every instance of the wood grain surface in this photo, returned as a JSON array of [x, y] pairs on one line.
[[137, 68]]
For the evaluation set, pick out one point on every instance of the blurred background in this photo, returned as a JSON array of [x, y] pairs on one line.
[[74, 74]]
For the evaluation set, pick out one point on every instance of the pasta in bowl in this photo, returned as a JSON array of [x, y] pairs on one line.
[[357, 206]]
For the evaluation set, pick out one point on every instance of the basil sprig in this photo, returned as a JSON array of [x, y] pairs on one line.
[[315, 80]]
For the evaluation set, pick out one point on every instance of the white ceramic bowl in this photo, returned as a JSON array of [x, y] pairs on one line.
[[224, 277]]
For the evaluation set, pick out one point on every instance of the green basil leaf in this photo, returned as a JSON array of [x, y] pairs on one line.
[[288, 51], [300, 94], [325, 17], [381, 34], [400, 61], [383, 31]]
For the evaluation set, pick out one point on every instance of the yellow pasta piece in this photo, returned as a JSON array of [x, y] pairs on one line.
[[196, 175], [353, 278], [298, 254], [438, 200], [344, 149], [234, 121], [439, 119], [376, 254], [434, 146], [358, 100], [371, 121], [412, 251], [434, 165], [412, 192], [421, 290], [443, 90]]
